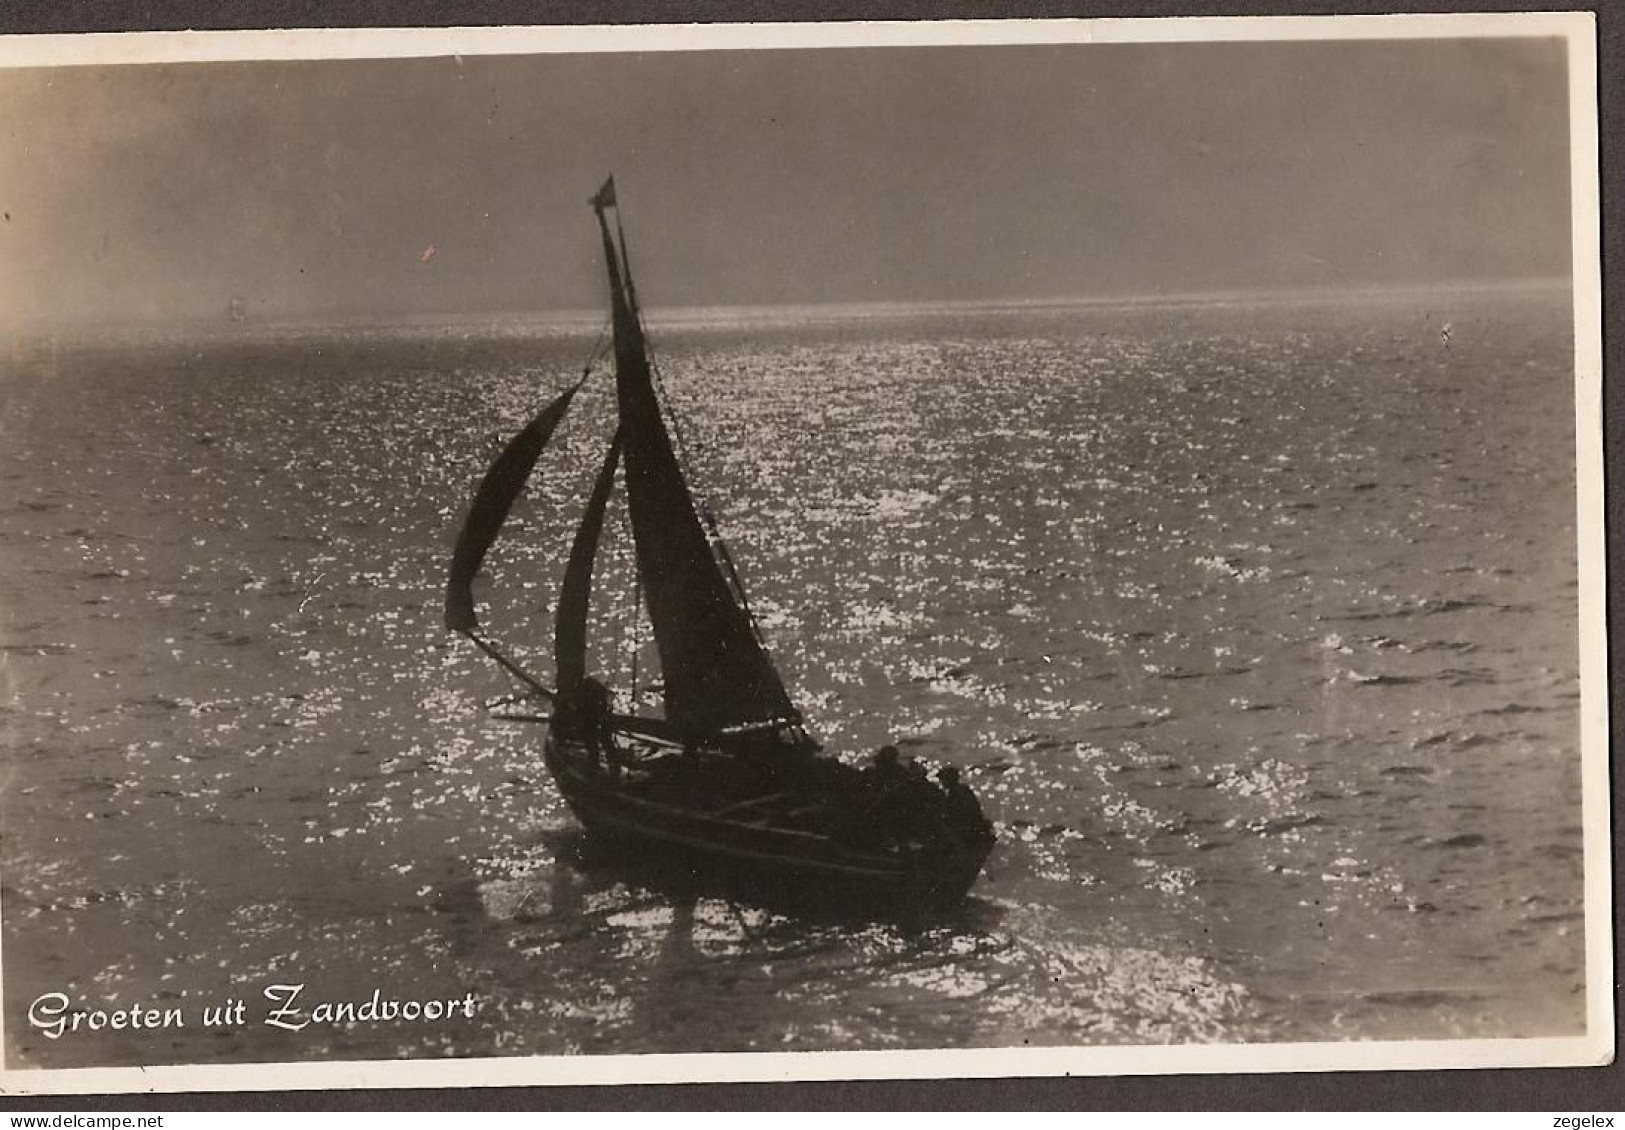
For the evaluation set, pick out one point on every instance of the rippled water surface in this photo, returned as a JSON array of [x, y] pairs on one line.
[[1254, 626]]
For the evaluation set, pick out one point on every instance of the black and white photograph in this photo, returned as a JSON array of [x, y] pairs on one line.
[[628, 554]]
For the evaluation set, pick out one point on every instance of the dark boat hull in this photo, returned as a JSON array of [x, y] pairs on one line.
[[761, 858]]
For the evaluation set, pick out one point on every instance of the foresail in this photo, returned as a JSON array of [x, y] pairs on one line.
[[717, 676], [570, 625], [492, 502]]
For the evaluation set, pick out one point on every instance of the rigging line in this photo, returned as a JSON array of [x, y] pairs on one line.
[[626, 262], [697, 498], [735, 581], [637, 614], [738, 585], [598, 346], [509, 665], [683, 460], [637, 599], [507, 700]]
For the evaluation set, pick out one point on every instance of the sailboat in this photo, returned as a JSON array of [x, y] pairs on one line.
[[727, 780]]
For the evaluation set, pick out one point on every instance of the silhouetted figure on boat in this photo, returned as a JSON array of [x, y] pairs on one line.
[[919, 780], [887, 771], [919, 803], [588, 715], [898, 800], [879, 789], [960, 809]]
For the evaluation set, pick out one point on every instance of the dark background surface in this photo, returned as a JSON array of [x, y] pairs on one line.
[[306, 190], [1567, 1090]]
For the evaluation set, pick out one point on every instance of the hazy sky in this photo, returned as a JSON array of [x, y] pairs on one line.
[[888, 174]]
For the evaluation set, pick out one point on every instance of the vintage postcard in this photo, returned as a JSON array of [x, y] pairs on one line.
[[625, 554]]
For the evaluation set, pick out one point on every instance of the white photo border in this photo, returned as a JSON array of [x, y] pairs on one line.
[[1595, 1048]]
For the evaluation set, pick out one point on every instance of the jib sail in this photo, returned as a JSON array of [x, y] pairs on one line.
[[499, 488]]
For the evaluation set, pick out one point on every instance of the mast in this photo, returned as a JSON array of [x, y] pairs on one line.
[[719, 681]]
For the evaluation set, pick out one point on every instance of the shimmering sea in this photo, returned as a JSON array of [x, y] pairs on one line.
[[1253, 623]]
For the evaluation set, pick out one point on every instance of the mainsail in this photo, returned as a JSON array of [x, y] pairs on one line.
[[718, 678]]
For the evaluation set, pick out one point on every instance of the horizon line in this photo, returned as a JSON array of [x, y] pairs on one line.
[[688, 314]]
